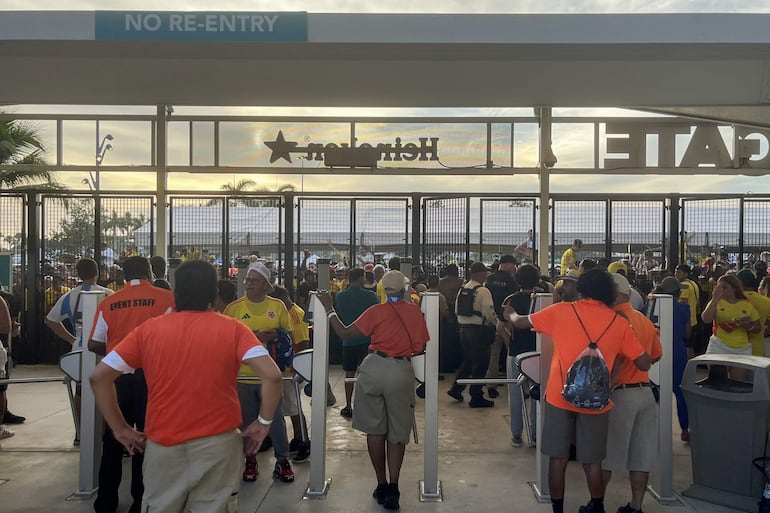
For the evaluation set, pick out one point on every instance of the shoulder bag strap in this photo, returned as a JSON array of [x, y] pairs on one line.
[[395, 310]]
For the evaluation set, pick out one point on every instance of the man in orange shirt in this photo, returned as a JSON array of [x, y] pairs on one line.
[[191, 359], [116, 316], [632, 442], [593, 318]]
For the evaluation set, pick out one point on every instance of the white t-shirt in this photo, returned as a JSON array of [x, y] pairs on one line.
[[68, 307]]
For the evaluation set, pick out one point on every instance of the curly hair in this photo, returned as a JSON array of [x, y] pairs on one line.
[[597, 284]]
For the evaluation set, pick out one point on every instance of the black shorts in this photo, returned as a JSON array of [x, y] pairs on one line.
[[352, 356]]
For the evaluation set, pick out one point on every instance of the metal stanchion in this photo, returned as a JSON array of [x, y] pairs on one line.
[[90, 417], [430, 486], [324, 274], [318, 486], [662, 479], [545, 348]]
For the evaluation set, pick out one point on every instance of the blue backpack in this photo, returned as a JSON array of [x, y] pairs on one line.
[[281, 349]]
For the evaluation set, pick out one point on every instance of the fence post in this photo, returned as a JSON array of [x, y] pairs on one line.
[[674, 233]]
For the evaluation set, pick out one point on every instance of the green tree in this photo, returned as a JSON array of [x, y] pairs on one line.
[[20, 144]]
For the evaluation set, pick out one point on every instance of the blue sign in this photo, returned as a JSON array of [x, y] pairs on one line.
[[200, 26]]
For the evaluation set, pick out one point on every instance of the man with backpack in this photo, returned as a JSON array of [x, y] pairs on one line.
[[587, 338], [478, 322]]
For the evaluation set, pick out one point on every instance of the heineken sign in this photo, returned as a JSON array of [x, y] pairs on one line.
[[425, 149]]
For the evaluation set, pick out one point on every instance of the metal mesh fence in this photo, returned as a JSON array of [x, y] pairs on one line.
[[255, 228], [506, 227], [123, 220], [756, 228], [445, 231], [636, 227], [381, 230], [584, 220], [196, 228], [708, 227], [12, 236], [323, 229]]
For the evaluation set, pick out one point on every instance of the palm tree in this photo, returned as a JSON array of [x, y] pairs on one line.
[[20, 144], [246, 185]]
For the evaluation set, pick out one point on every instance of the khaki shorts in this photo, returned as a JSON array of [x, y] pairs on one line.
[[200, 475], [562, 428], [289, 399], [632, 437], [383, 401]]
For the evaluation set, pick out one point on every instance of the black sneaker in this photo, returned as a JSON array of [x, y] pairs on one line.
[[347, 412], [10, 418], [392, 495], [480, 402], [590, 508], [628, 509], [303, 453], [294, 446], [380, 492], [493, 393], [455, 394]]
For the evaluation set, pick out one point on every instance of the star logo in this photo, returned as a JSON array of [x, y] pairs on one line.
[[282, 149]]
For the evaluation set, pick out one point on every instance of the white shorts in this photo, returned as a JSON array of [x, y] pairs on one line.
[[716, 346]]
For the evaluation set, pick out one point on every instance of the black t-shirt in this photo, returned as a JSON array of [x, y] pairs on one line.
[[522, 340], [501, 284]]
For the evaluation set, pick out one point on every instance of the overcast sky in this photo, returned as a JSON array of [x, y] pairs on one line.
[[523, 183]]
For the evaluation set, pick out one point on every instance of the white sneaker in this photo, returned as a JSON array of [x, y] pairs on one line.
[[5, 432], [516, 441]]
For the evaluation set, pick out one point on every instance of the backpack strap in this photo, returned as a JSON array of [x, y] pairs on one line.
[[615, 316]]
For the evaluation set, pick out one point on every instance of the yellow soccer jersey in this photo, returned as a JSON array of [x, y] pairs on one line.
[[762, 304], [266, 315], [727, 329]]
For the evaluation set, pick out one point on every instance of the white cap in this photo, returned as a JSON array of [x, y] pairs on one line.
[[262, 270], [621, 284]]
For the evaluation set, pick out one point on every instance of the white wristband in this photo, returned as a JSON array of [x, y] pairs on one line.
[[332, 314], [263, 421]]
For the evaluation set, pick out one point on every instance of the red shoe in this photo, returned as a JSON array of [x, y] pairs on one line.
[[283, 471], [251, 471]]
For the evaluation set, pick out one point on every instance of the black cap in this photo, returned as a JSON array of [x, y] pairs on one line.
[[478, 267], [508, 259], [684, 268]]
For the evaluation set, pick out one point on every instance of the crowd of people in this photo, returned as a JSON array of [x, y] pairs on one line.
[[153, 339]]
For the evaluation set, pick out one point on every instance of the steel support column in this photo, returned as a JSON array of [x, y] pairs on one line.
[[161, 180], [544, 152]]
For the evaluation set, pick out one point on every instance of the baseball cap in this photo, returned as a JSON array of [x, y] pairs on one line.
[[508, 259], [684, 268], [747, 278], [368, 267], [571, 276], [393, 281], [616, 267], [621, 284], [262, 270], [669, 285], [478, 267]]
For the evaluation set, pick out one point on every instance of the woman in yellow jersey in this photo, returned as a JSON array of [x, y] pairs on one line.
[[733, 318]]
